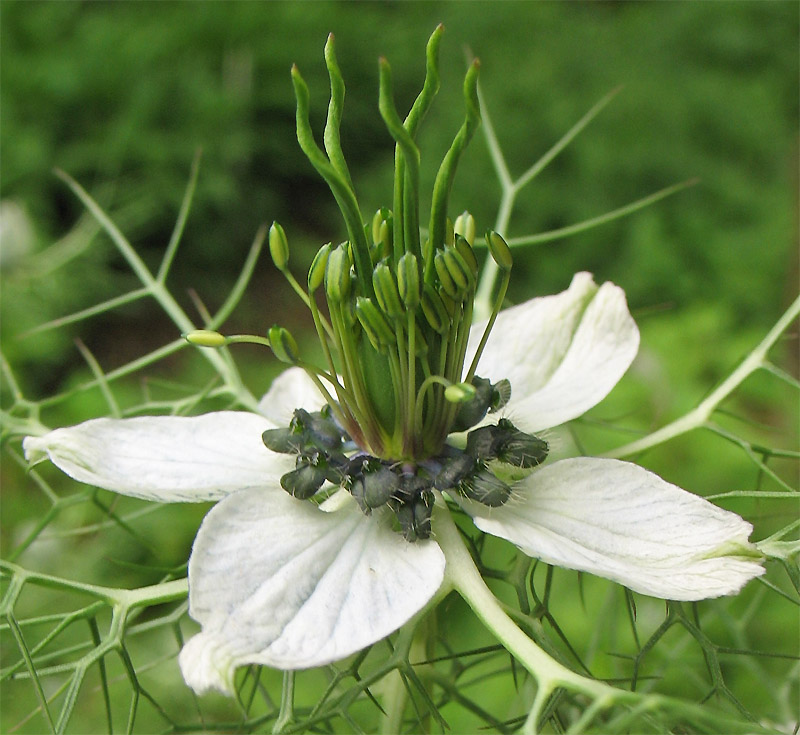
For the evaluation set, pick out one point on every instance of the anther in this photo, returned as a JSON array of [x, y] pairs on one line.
[[408, 280], [375, 326], [337, 275], [386, 291], [499, 250], [278, 246], [316, 273], [283, 344], [465, 227]]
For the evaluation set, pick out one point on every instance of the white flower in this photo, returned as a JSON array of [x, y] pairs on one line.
[[286, 583]]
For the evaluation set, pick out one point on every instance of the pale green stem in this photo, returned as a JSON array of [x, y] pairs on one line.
[[463, 576], [483, 298], [501, 294], [143, 597], [427, 383], [286, 714], [158, 290], [395, 698], [306, 299], [701, 414], [511, 188]]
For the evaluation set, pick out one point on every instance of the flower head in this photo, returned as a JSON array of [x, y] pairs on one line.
[[322, 542]]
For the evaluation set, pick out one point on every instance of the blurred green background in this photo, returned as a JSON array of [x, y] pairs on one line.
[[121, 96]]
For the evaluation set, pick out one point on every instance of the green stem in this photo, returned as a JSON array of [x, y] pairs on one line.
[[463, 576], [701, 414], [501, 295], [286, 713]]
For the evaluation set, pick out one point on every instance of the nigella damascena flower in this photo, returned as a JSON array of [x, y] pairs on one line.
[[324, 538]]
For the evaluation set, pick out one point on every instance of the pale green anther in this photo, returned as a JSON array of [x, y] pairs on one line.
[[205, 338], [459, 271], [348, 310], [375, 326], [459, 392], [499, 250], [381, 223], [316, 273], [377, 221], [386, 291], [434, 309], [386, 238], [449, 304], [283, 344], [449, 233], [278, 246], [465, 226], [408, 280], [337, 275], [465, 250], [446, 282]]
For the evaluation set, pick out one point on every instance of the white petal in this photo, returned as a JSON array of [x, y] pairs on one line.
[[166, 458], [290, 390], [276, 581], [619, 521], [563, 354]]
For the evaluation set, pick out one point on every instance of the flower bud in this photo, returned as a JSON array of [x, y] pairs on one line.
[[205, 338], [499, 250], [283, 344], [386, 291], [316, 273], [408, 280], [337, 275], [278, 246]]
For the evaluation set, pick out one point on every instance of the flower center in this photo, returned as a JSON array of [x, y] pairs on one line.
[[394, 329], [326, 452]]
